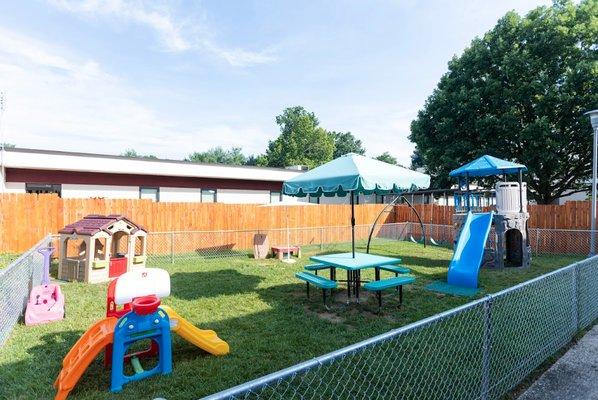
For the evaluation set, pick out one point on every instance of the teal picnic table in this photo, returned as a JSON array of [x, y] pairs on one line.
[[353, 266]]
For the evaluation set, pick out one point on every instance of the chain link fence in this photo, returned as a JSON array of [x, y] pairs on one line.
[[16, 281], [477, 351], [168, 247]]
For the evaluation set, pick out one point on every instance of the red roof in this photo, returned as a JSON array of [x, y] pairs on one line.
[[92, 224]]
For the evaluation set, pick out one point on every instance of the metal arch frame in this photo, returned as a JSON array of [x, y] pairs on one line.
[[384, 210]]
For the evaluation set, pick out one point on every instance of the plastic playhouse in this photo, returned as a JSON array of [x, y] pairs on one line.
[[98, 248], [141, 317], [508, 246], [46, 301]]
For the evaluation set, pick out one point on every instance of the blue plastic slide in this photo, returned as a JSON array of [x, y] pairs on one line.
[[469, 252]]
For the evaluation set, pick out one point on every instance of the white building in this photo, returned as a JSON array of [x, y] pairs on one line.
[[84, 175]]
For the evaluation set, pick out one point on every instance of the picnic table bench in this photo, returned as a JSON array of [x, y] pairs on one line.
[[383, 284], [318, 281]]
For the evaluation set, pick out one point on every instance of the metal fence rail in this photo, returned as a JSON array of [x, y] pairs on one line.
[[16, 281], [167, 247], [480, 350]]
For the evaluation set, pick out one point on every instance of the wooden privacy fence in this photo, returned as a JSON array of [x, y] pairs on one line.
[[571, 215], [25, 218]]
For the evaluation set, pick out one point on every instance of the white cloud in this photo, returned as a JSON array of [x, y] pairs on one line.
[[55, 99], [380, 126], [59, 100], [174, 34]]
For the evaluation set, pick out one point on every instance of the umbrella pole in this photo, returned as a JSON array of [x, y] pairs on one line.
[[353, 223]]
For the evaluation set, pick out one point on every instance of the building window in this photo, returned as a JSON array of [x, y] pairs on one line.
[[314, 200], [275, 197], [42, 188], [208, 195], [150, 193]]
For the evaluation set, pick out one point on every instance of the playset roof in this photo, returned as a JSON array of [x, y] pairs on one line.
[[92, 224], [487, 166]]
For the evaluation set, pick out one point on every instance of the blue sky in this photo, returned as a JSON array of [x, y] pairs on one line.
[[169, 78]]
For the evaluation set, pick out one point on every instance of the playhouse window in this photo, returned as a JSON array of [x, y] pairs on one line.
[[139, 246], [100, 249], [76, 249]]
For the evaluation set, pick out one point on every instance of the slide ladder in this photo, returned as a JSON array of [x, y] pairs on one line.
[[82, 354], [206, 340], [469, 252]]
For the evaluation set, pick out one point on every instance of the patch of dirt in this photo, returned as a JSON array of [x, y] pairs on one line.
[[330, 317]]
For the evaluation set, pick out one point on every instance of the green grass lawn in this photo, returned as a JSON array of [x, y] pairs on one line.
[[7, 258], [257, 306]]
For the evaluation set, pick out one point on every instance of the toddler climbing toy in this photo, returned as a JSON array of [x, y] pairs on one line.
[[46, 301], [141, 317]]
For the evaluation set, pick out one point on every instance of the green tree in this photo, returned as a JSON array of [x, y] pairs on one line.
[[387, 158], [133, 154], [218, 155], [7, 145], [346, 142], [519, 93], [301, 141]]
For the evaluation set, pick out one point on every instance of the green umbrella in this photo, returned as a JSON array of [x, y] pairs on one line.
[[355, 174]]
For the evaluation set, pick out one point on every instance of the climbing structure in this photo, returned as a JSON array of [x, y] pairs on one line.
[[133, 314]]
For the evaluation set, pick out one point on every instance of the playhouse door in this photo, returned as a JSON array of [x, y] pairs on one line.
[[118, 266]]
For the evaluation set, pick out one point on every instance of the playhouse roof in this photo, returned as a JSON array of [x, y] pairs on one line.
[[486, 166], [92, 224]]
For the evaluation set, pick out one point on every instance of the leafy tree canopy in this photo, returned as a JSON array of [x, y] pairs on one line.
[[218, 155], [301, 141], [387, 158], [346, 142], [133, 154], [519, 93]]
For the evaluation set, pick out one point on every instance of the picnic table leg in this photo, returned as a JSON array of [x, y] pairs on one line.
[[379, 295], [307, 289], [400, 295], [357, 279], [348, 285], [377, 274]]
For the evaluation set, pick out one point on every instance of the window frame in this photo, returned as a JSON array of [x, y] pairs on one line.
[[38, 188], [157, 189], [208, 189], [274, 192]]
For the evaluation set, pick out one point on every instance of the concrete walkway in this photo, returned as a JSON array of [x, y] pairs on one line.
[[573, 377]]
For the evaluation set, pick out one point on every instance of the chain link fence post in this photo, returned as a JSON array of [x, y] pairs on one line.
[[575, 299], [172, 247], [487, 348]]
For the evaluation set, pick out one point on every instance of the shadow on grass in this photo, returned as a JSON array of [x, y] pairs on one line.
[[195, 285]]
